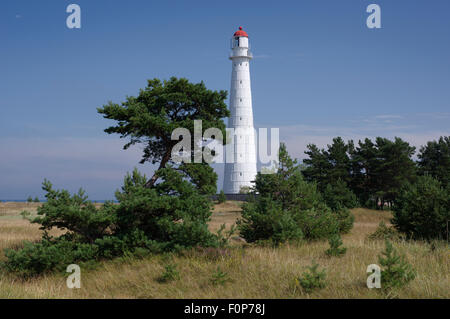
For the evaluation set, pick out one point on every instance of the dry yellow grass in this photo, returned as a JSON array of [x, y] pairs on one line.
[[13, 228], [226, 213], [255, 272]]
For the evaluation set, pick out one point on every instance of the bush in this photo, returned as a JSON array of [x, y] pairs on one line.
[[345, 220], [56, 254], [396, 272], [289, 208], [223, 236], [220, 277], [335, 246], [173, 212], [264, 219], [170, 274], [222, 198], [135, 242], [340, 198], [318, 223], [338, 195], [312, 279], [75, 214], [422, 209], [170, 216], [384, 232], [38, 258], [434, 160]]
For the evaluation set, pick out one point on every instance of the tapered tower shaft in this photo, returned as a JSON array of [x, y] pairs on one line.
[[242, 169]]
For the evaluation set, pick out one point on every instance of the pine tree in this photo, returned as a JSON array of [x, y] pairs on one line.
[[396, 167], [336, 248], [312, 279], [169, 211], [288, 207], [337, 195], [364, 165], [380, 169], [317, 166], [222, 198], [338, 157], [396, 272], [434, 160], [163, 106], [422, 209]]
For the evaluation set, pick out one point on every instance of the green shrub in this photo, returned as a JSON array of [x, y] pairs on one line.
[[422, 209], [30, 199], [318, 223], [312, 279], [170, 274], [75, 214], [172, 212], [338, 195], [133, 243], [38, 258], [223, 236], [335, 249], [289, 208], [56, 254], [396, 272], [170, 216], [264, 219], [220, 277], [434, 160], [222, 198], [384, 232], [345, 220]]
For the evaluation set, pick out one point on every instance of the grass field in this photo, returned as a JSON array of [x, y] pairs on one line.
[[251, 271]]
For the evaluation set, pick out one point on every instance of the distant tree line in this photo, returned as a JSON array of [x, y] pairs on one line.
[[375, 171], [31, 200]]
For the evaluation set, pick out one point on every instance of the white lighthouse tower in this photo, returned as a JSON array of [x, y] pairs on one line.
[[240, 167]]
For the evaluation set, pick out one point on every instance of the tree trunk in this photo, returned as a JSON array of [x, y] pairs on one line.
[[155, 176]]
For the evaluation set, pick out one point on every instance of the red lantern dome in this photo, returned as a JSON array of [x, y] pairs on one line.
[[240, 33]]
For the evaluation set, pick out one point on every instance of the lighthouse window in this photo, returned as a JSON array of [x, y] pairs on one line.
[[236, 42], [240, 64], [240, 82], [240, 100], [240, 173]]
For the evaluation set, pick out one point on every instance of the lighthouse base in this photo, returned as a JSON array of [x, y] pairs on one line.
[[237, 176]]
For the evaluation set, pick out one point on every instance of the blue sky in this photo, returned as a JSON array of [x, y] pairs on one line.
[[318, 72]]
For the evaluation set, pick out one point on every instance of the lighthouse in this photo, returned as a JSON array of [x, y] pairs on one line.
[[240, 165]]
